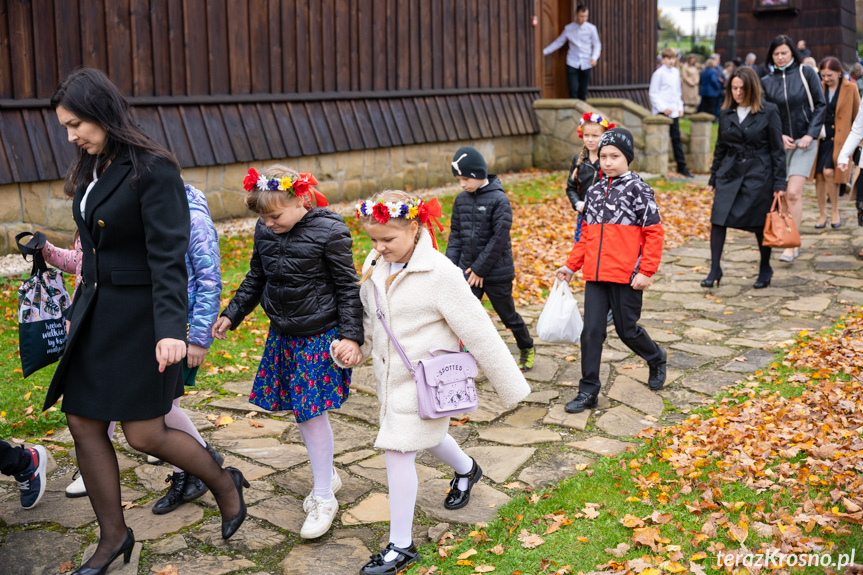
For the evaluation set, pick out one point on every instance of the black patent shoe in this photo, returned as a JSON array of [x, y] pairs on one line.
[[581, 402], [174, 497], [404, 559], [194, 488], [456, 498], [656, 377], [230, 526], [125, 550]]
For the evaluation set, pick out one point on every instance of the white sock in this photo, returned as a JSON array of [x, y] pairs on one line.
[[403, 486], [450, 453], [318, 437], [179, 419]]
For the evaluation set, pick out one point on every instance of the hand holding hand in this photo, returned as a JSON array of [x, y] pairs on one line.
[[640, 282], [348, 352], [169, 351], [220, 328], [473, 280], [564, 274], [195, 355]]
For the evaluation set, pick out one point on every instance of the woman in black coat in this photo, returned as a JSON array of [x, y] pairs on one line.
[[128, 322], [748, 170]]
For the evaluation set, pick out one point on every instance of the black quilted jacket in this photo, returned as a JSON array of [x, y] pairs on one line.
[[479, 235], [304, 279]]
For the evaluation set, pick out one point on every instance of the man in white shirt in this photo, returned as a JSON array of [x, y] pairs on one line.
[[584, 50], [665, 98]]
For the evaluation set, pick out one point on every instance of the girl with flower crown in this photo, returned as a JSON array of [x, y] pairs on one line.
[[585, 171], [427, 305], [302, 273]]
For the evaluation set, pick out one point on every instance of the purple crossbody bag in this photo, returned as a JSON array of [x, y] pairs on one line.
[[445, 380]]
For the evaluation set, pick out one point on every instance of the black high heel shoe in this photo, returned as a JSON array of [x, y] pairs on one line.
[[230, 526], [711, 281], [125, 550], [763, 283]]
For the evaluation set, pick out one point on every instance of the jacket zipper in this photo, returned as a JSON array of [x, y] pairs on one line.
[[602, 228], [473, 230], [787, 107]]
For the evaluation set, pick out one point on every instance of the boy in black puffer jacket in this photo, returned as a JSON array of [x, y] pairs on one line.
[[479, 243]]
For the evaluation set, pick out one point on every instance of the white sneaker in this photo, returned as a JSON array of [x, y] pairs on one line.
[[77, 487], [335, 485], [320, 516]]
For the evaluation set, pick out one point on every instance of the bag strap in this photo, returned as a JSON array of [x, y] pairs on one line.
[[392, 337], [33, 248], [806, 87]]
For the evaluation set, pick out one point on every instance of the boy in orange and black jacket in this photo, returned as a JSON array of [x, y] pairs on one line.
[[619, 250]]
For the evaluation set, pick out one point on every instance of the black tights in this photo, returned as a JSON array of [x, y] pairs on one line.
[[101, 474], [717, 242]]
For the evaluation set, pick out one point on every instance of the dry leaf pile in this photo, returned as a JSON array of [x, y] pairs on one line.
[[804, 453]]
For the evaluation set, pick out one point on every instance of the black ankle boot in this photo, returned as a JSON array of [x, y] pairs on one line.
[[456, 498], [379, 566], [174, 497], [193, 489], [215, 454], [763, 280], [125, 550]]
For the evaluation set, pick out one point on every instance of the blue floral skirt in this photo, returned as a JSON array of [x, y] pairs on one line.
[[298, 374]]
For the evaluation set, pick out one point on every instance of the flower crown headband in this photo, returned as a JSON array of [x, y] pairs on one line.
[[296, 186], [596, 119], [415, 209]]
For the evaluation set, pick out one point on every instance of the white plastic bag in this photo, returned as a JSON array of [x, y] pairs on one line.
[[560, 320]]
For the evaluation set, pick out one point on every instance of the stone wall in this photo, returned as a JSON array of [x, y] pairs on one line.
[[343, 176]]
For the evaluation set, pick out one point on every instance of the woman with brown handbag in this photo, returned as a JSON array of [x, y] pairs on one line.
[[842, 103], [748, 170]]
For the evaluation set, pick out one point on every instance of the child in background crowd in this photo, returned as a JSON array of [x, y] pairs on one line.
[[427, 305], [585, 170], [666, 99], [620, 249], [302, 272], [480, 244]]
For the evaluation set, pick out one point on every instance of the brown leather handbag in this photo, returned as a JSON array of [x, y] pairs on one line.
[[779, 228]]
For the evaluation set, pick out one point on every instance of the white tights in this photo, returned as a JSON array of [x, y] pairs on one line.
[[403, 484], [318, 437]]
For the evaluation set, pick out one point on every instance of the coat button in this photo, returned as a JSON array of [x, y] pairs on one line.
[[95, 285], [94, 250], [101, 223]]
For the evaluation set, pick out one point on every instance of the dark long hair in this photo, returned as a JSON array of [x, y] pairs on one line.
[[779, 41], [751, 90], [92, 97], [831, 63]]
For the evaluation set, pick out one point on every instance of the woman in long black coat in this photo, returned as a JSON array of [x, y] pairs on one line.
[[748, 170], [128, 322]]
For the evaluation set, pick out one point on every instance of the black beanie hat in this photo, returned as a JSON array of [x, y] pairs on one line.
[[468, 162], [620, 138]]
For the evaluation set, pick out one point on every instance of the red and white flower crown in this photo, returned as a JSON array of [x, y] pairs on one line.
[[596, 119], [425, 212], [296, 186]]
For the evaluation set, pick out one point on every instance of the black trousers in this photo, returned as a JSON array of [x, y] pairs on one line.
[[500, 296], [625, 304], [677, 144], [13, 460], [578, 82]]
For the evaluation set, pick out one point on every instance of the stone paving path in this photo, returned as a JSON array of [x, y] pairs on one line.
[[714, 337]]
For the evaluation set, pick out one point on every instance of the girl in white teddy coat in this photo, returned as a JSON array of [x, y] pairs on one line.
[[428, 305]]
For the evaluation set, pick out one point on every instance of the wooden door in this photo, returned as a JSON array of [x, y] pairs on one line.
[[553, 16]]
